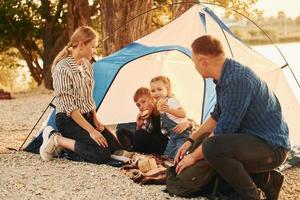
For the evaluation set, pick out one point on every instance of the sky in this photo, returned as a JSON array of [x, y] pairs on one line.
[[271, 7]]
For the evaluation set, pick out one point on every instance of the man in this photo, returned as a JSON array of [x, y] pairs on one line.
[[248, 134]]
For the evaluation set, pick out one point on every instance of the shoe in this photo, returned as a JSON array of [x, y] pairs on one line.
[[48, 148], [273, 186]]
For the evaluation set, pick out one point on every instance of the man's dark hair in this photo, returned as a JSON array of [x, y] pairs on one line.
[[207, 45]]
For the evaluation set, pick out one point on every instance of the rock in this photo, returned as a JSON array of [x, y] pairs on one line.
[[4, 94]]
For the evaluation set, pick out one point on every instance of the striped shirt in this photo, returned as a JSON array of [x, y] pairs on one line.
[[246, 105], [73, 86]]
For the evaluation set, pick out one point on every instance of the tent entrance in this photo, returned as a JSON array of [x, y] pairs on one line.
[[188, 86]]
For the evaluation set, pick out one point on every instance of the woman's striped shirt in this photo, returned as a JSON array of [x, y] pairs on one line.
[[73, 86]]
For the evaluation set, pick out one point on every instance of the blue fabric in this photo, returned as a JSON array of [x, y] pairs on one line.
[[219, 21], [175, 140], [203, 21], [246, 105], [209, 99], [209, 92]]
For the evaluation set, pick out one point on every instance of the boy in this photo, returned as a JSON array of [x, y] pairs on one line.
[[147, 138]]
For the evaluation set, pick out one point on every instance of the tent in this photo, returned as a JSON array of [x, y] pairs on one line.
[[167, 52]]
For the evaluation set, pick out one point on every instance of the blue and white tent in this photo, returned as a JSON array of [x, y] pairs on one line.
[[167, 51]]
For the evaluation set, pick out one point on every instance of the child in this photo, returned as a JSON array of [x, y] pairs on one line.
[[148, 137], [171, 113]]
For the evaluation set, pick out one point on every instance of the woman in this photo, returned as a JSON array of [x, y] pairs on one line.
[[79, 128]]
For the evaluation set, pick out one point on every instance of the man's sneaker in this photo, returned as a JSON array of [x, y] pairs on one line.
[[272, 188], [48, 147]]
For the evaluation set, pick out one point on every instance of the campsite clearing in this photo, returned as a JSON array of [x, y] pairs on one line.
[[25, 176]]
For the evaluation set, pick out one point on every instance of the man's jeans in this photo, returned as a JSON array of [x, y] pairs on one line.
[[235, 156]]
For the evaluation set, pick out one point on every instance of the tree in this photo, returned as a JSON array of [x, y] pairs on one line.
[[114, 14], [39, 30]]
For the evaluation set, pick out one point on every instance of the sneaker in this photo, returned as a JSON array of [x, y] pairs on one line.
[[272, 188], [48, 148]]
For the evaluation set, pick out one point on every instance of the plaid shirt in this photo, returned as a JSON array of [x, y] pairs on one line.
[[246, 105]]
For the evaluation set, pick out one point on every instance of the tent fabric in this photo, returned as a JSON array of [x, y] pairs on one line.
[[167, 51]]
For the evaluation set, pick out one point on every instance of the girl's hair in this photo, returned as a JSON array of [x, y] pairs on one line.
[[166, 81], [207, 45], [83, 34], [141, 92]]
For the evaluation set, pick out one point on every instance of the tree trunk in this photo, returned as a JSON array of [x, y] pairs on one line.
[[115, 13], [79, 14], [32, 63], [179, 9]]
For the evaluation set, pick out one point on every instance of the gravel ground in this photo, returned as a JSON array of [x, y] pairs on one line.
[[26, 176]]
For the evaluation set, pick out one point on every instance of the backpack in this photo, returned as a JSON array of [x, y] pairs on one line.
[[196, 180]]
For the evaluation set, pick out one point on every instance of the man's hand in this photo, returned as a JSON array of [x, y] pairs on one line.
[[186, 162], [181, 151]]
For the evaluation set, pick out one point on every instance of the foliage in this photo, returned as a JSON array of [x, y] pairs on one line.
[[19, 21], [14, 75], [244, 7], [162, 16], [21, 27], [35, 28], [9, 58]]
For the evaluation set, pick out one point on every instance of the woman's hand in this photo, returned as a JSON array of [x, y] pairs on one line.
[[181, 151], [186, 162], [98, 125], [98, 138], [179, 128]]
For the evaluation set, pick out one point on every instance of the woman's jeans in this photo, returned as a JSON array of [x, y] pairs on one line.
[[85, 147], [235, 156], [175, 140]]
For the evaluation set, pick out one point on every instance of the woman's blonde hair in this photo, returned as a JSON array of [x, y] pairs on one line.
[[83, 34], [166, 81]]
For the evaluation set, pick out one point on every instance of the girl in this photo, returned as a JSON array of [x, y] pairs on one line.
[[172, 113], [79, 128]]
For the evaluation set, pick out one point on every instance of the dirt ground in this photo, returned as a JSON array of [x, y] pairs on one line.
[[26, 176]]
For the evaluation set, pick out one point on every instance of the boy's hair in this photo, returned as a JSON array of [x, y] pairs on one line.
[[166, 81], [140, 92], [207, 45]]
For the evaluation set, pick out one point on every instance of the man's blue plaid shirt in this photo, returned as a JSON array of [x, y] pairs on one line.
[[246, 105]]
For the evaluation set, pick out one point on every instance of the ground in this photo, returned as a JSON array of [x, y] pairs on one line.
[[26, 176]]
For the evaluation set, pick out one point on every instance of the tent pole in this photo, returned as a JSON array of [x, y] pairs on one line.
[[49, 105]]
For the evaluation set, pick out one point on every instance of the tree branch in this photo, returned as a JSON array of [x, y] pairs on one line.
[[46, 9], [57, 13], [27, 56], [60, 42], [36, 48], [93, 8]]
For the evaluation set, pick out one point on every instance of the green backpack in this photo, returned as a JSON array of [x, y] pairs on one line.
[[193, 181]]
